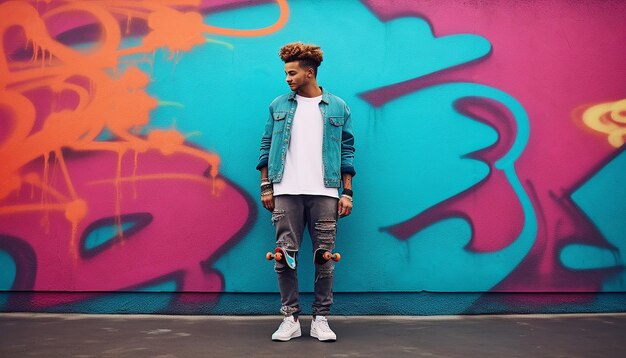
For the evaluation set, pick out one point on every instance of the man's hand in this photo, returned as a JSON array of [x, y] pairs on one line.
[[268, 201], [345, 206], [345, 201]]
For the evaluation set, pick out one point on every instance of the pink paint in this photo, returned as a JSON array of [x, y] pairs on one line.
[[485, 202], [554, 57], [193, 223]]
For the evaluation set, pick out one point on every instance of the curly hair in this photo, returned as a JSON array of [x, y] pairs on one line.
[[308, 55]]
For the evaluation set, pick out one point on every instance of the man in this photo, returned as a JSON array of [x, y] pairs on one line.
[[307, 154]]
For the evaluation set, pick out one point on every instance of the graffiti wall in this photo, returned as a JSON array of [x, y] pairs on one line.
[[489, 152]]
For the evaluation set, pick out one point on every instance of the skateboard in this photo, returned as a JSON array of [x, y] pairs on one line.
[[283, 256], [322, 256]]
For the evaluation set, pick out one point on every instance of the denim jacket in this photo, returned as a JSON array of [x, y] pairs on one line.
[[337, 143]]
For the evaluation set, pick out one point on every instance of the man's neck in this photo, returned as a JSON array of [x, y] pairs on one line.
[[312, 90]]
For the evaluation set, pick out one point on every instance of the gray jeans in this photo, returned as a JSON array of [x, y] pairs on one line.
[[291, 214]]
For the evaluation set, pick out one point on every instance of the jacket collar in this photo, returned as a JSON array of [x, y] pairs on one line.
[[325, 95]]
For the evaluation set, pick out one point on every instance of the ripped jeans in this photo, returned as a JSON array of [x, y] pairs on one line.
[[291, 214]]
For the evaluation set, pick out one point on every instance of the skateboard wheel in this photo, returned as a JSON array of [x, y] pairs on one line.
[[278, 256], [330, 256], [269, 256]]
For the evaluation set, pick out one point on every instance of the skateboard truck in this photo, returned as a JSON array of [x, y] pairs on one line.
[[322, 256], [283, 256]]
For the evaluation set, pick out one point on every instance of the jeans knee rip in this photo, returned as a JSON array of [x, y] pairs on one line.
[[287, 244], [277, 215], [326, 225], [326, 241], [326, 231]]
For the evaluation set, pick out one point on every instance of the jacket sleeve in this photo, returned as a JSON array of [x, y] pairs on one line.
[[347, 144], [266, 142]]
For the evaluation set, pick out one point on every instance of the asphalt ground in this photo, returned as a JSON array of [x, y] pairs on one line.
[[79, 335]]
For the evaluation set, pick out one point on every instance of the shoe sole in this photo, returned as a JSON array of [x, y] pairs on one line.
[[314, 335], [296, 334]]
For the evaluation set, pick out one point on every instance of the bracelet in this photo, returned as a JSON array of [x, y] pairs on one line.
[[347, 192], [346, 196], [267, 188]]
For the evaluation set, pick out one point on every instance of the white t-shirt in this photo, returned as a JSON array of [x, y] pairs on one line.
[[304, 173]]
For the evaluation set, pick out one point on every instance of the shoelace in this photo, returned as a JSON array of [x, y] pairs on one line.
[[323, 324], [286, 325]]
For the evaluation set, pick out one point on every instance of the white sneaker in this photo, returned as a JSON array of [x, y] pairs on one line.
[[321, 330], [290, 328]]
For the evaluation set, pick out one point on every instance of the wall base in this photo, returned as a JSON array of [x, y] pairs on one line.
[[424, 303]]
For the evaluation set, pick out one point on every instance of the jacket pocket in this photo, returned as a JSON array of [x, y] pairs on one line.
[[336, 127], [279, 116], [279, 122], [336, 121]]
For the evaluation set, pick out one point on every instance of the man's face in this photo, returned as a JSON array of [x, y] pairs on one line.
[[297, 77]]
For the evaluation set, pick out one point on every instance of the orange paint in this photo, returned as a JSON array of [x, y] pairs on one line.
[[282, 20], [608, 118], [106, 98]]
